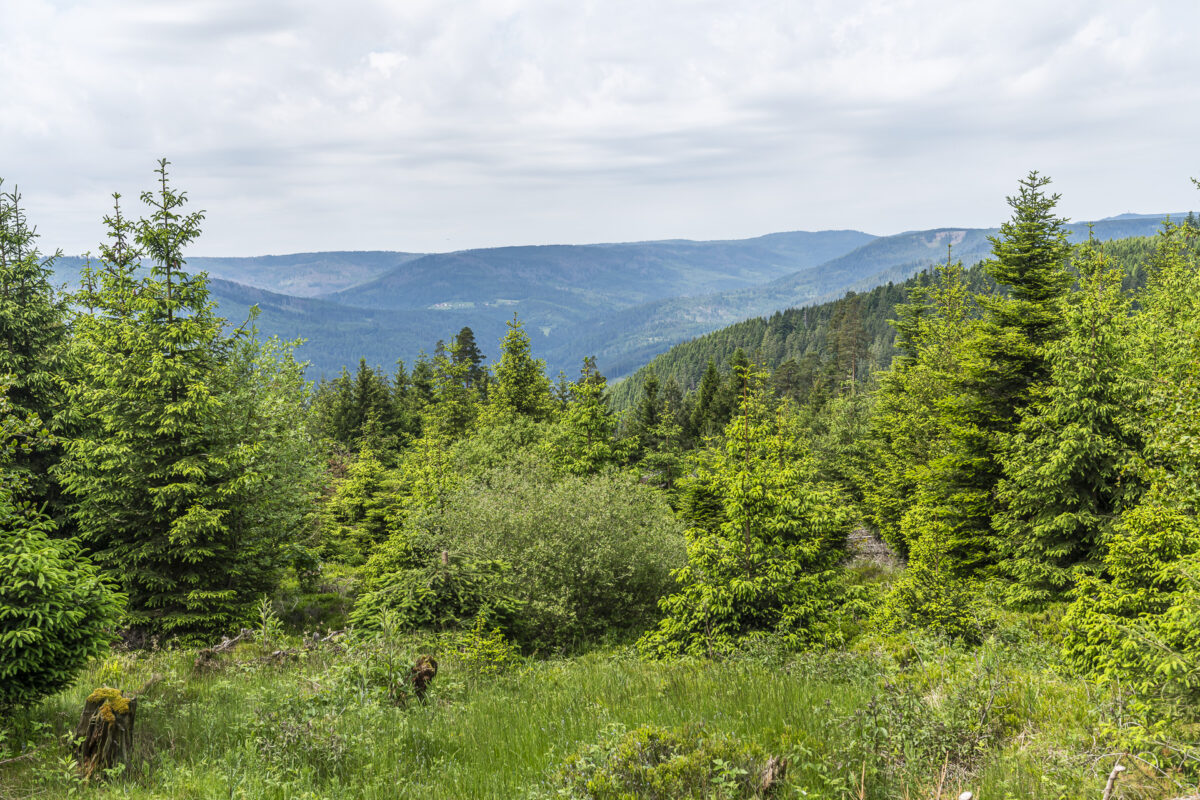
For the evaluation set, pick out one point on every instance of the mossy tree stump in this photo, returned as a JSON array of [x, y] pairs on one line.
[[105, 732]]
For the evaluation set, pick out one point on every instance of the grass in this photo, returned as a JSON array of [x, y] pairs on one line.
[[996, 720]]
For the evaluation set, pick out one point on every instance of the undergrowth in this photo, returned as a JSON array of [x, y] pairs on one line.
[[892, 717]]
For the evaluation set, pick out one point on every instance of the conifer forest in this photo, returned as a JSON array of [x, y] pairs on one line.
[[938, 538]]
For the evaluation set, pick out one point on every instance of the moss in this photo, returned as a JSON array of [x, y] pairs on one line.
[[103, 693], [112, 701]]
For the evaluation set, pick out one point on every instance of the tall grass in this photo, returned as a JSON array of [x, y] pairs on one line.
[[318, 728]]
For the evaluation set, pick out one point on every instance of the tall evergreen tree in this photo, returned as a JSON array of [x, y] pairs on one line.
[[176, 468], [521, 384], [466, 351], [704, 414], [1066, 464], [33, 346], [1007, 362]]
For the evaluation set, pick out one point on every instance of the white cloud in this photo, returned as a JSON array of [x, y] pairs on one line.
[[432, 125]]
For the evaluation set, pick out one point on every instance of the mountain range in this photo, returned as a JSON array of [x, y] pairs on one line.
[[624, 303]]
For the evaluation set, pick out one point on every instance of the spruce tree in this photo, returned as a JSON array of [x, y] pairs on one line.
[[56, 610], [704, 415], [1066, 464], [187, 435], [521, 385], [466, 351], [584, 441], [916, 402], [1006, 363], [33, 347], [763, 564]]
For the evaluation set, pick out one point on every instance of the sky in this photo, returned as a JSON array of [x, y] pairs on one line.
[[440, 125]]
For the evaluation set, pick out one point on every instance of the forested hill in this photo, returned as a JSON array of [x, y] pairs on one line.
[[624, 340], [821, 342], [334, 335], [597, 276]]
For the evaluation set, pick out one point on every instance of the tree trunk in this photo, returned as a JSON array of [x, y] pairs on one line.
[[105, 732]]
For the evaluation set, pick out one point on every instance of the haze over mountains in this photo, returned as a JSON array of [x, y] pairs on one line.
[[624, 303]]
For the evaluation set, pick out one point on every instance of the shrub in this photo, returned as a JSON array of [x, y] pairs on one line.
[[553, 561], [660, 763]]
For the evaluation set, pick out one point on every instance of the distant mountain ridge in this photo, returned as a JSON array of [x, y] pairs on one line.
[[623, 302]]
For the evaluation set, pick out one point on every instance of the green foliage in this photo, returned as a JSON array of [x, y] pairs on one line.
[[932, 594], [522, 387], [507, 546], [1126, 624], [1111, 626], [763, 562], [1005, 363], [416, 584], [583, 440], [56, 610], [915, 399], [485, 652], [191, 470], [1065, 464], [361, 511], [662, 764], [33, 346]]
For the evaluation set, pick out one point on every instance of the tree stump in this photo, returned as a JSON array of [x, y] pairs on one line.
[[105, 732], [423, 673]]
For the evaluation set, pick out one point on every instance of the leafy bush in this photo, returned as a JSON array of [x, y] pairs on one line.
[[664, 764], [552, 561]]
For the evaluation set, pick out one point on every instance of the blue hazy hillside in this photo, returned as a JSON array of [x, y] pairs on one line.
[[624, 303]]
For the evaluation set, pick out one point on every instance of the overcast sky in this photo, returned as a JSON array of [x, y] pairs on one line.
[[442, 125]]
